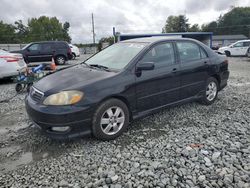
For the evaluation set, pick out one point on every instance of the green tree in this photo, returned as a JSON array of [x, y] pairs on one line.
[[236, 21], [109, 40], [176, 24], [194, 28], [45, 28], [7, 33], [21, 31]]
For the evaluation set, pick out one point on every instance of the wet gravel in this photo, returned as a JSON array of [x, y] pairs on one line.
[[186, 146]]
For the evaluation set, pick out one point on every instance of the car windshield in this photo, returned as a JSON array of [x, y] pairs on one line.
[[116, 56], [25, 46]]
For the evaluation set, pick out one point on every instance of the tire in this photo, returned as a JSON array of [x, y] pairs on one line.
[[19, 88], [228, 54], [73, 56], [113, 125], [211, 91], [60, 60], [29, 85]]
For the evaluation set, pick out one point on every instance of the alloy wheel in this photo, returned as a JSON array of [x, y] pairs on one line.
[[211, 91], [112, 120]]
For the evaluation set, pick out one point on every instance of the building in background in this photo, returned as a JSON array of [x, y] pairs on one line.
[[225, 40], [205, 37]]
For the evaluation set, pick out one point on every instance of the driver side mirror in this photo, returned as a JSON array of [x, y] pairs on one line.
[[145, 66]]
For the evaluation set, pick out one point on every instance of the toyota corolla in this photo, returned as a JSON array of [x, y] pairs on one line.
[[125, 81]]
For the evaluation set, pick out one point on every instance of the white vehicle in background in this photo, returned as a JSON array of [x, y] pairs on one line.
[[75, 51], [238, 48], [11, 64]]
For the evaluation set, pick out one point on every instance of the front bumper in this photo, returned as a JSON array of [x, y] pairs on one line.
[[78, 119]]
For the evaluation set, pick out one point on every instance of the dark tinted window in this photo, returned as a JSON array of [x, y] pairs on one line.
[[188, 51], [61, 45], [46, 47], [246, 44], [162, 54], [34, 47]]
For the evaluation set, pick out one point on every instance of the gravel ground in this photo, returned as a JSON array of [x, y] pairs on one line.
[[187, 146]]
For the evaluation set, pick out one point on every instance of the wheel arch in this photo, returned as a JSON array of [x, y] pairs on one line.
[[121, 98], [218, 78]]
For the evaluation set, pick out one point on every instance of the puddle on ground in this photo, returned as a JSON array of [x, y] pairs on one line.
[[24, 159], [9, 122]]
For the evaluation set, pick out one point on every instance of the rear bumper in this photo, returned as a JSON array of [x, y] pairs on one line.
[[77, 119], [224, 77]]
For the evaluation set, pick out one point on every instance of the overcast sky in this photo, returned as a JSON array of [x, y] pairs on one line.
[[128, 16]]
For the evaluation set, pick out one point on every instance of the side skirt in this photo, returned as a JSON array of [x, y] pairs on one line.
[[157, 109]]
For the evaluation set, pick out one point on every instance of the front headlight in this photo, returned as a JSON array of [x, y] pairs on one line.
[[64, 98]]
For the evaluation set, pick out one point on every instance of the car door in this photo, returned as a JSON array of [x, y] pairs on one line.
[[194, 64], [245, 47], [46, 52], [33, 52], [237, 49], [160, 86]]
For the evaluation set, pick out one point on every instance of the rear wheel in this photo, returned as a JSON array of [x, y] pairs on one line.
[[110, 120], [211, 91], [19, 87], [73, 56], [60, 60]]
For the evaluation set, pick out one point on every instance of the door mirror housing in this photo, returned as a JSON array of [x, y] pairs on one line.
[[145, 66]]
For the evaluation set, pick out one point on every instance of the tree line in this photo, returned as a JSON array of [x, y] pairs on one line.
[[37, 29], [236, 21]]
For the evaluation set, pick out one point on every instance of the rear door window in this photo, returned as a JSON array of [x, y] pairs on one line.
[[61, 45], [246, 44], [161, 55], [188, 51], [46, 47]]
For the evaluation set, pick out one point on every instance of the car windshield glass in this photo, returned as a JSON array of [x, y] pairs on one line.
[[25, 46], [116, 56]]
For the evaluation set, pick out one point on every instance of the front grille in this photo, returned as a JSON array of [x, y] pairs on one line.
[[35, 94]]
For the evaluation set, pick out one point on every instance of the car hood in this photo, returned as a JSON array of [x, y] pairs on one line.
[[224, 48], [72, 78]]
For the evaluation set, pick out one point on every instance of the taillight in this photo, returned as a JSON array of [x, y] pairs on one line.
[[10, 58]]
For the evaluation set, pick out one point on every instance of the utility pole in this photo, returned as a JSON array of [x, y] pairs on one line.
[[93, 28]]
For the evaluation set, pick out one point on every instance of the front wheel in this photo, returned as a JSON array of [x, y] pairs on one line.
[[211, 91], [228, 54], [110, 120]]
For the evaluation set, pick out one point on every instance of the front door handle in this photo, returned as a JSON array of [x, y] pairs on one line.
[[174, 70]]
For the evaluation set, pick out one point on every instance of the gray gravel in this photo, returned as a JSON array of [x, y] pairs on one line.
[[187, 146]]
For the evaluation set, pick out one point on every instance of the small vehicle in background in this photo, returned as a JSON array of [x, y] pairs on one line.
[[238, 48], [75, 51], [44, 51], [11, 64]]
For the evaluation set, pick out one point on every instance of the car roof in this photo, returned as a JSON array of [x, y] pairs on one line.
[[246, 40], [156, 39], [49, 42]]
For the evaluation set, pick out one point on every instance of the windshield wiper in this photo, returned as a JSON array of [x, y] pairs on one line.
[[85, 64], [100, 67]]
